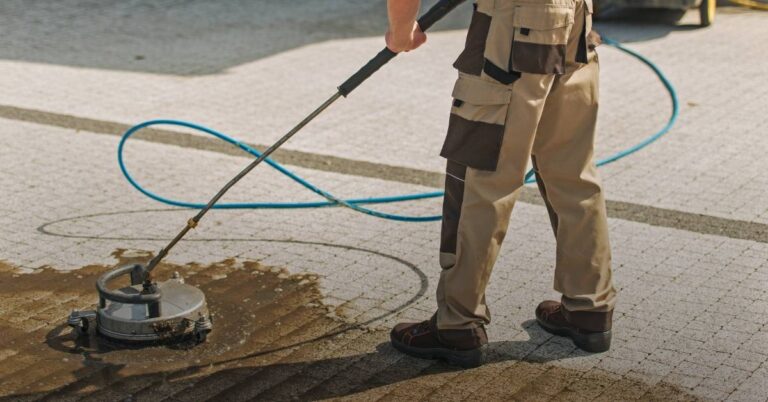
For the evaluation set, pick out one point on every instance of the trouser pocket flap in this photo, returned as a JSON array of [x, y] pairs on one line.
[[540, 37], [542, 17], [476, 127], [479, 92]]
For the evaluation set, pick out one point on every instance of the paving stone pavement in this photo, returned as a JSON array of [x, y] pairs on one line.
[[254, 101], [693, 311]]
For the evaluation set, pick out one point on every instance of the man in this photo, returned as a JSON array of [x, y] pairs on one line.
[[527, 87]]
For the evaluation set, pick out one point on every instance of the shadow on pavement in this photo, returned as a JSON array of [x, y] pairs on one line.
[[200, 37], [183, 37], [638, 24], [514, 370]]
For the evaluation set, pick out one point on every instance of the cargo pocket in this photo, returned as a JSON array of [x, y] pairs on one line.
[[471, 60], [476, 127], [540, 37]]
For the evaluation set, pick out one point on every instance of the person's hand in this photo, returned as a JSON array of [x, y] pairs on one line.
[[405, 41]]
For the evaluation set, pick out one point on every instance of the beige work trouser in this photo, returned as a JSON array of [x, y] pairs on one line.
[[527, 87]]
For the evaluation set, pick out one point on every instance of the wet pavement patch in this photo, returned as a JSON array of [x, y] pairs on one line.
[[273, 339], [253, 308]]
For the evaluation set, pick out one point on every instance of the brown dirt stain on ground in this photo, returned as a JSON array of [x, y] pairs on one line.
[[272, 340]]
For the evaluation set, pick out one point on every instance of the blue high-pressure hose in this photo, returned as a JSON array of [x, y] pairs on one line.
[[356, 204]]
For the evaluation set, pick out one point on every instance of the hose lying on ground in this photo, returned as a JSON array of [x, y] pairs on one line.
[[357, 203]]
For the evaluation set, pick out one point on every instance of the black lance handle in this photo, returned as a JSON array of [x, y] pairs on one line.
[[436, 13]]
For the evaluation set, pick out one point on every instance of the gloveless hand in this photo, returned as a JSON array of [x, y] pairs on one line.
[[405, 41]]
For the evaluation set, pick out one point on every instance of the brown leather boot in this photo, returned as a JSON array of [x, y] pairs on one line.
[[462, 347], [589, 330]]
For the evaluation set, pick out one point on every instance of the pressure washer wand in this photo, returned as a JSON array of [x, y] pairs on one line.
[[437, 12]]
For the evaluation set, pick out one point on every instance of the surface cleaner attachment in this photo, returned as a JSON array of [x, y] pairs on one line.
[[146, 311]]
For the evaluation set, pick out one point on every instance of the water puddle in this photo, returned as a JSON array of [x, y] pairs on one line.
[[251, 305]]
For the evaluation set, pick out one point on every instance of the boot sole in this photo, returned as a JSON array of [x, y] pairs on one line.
[[463, 358], [595, 342]]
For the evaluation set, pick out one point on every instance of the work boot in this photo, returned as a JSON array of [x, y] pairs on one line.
[[462, 347], [589, 330]]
